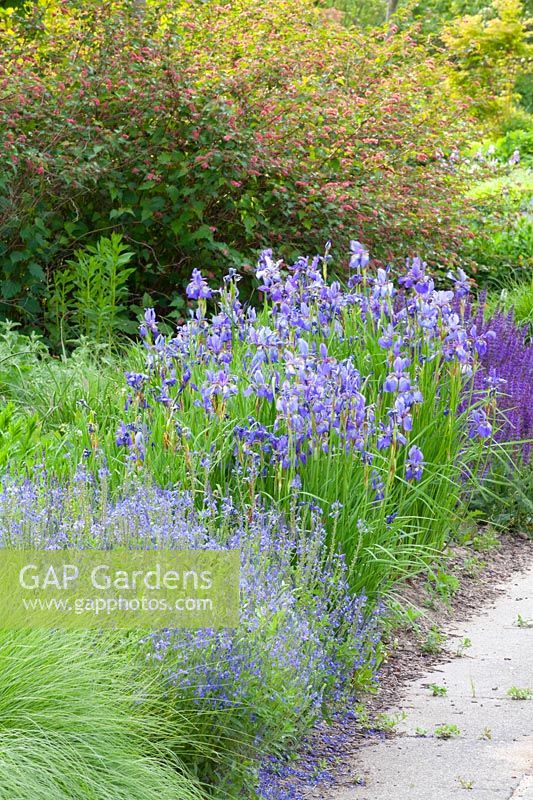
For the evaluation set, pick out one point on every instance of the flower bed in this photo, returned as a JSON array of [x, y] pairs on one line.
[[347, 395], [303, 643]]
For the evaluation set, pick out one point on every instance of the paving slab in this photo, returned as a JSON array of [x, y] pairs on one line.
[[492, 758]]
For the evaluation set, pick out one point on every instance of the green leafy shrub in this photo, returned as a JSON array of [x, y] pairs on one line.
[[501, 221], [517, 140], [524, 88], [490, 50], [516, 298], [504, 498], [204, 132], [502, 250], [361, 13], [89, 294], [433, 14], [429, 15]]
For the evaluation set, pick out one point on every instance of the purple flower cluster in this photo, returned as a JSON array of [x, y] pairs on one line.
[[294, 371], [302, 633], [326, 748], [507, 374]]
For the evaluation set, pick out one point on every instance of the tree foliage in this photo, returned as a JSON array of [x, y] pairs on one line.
[[491, 52], [203, 132]]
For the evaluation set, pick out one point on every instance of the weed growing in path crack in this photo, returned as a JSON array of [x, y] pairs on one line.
[[486, 733], [465, 783], [447, 731], [520, 694], [463, 646], [524, 623], [388, 722], [438, 691]]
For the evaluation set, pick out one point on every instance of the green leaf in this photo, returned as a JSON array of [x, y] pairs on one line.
[[18, 255], [118, 212], [9, 289], [36, 271]]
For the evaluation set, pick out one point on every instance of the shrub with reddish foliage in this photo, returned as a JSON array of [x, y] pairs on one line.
[[204, 131]]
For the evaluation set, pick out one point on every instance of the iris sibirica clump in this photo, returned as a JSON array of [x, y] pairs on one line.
[[330, 390], [302, 638]]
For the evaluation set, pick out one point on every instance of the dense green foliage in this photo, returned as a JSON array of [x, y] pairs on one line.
[[500, 251], [490, 50], [517, 298], [88, 296], [203, 133], [77, 720]]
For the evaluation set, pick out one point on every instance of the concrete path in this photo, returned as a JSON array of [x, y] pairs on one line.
[[492, 759]]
